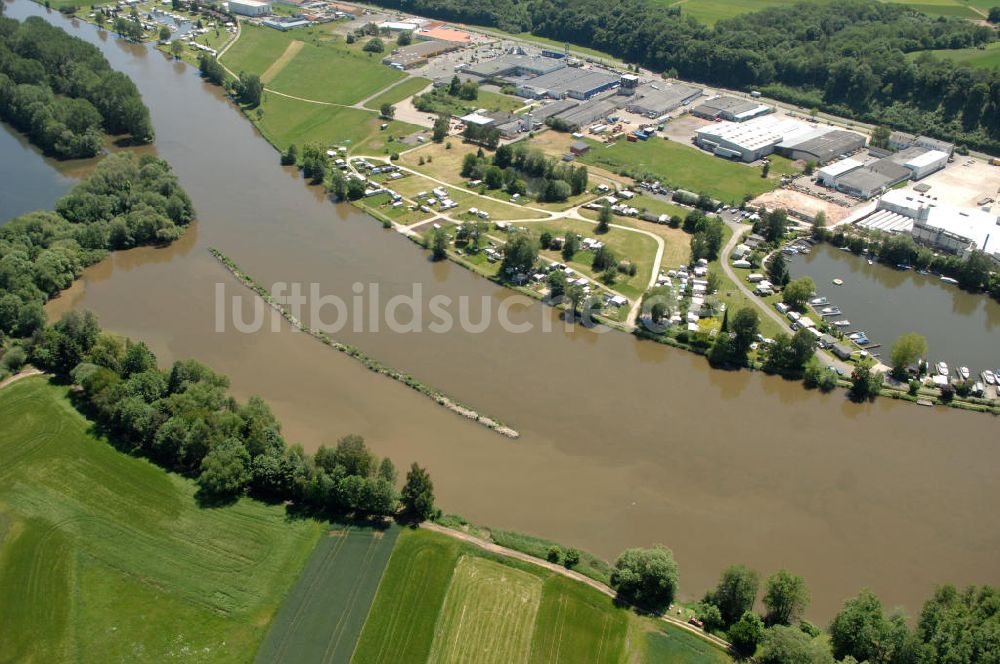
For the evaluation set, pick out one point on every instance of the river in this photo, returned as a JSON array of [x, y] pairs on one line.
[[960, 327], [29, 180], [623, 443]]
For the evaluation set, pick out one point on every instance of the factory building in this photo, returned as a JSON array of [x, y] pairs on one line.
[[925, 162], [590, 111], [250, 7], [955, 230], [751, 140], [820, 144], [731, 109], [417, 54], [656, 99], [900, 140], [829, 174], [568, 82], [510, 66]]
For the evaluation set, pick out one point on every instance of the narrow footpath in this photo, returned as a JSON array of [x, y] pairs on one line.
[[559, 569]]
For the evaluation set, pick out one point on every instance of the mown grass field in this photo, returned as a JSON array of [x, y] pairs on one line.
[[445, 601], [685, 167], [333, 73], [106, 557], [285, 121], [398, 92], [322, 617], [256, 49], [710, 12], [983, 58], [488, 615]]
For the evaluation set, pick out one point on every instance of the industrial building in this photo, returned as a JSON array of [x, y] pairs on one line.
[[656, 99], [440, 33], [828, 174], [418, 53], [942, 227], [821, 144], [510, 66], [590, 111], [867, 180], [285, 22], [731, 109], [250, 7], [900, 140], [754, 139], [568, 82]]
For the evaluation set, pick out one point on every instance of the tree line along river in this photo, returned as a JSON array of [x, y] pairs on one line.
[[623, 443]]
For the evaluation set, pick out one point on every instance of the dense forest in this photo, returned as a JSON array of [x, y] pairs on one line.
[[127, 202], [62, 93], [848, 58]]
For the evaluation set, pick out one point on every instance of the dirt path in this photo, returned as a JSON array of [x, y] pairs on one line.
[[559, 569], [28, 372], [291, 51]]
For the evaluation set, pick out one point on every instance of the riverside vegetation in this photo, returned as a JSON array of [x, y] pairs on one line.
[[61, 92]]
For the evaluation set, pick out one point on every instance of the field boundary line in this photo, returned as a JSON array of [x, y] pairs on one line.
[[282, 61], [559, 569]]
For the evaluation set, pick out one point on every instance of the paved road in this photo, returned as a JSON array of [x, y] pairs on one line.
[[559, 569], [739, 230]]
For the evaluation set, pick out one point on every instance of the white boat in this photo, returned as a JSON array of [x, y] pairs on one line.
[[841, 323], [963, 373], [838, 282], [942, 368], [870, 261], [819, 301], [949, 280], [989, 377]]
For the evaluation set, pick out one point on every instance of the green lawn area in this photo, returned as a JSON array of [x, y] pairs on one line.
[[669, 645], [398, 92], [379, 204], [497, 210], [106, 557], [400, 629], [322, 617], [256, 49], [333, 73], [442, 102], [576, 624], [984, 58], [685, 167], [286, 121], [711, 11], [638, 248], [488, 615]]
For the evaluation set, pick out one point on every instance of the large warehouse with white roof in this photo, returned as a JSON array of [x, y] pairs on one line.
[[754, 139]]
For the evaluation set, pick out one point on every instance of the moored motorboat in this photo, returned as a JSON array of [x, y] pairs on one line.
[[963, 373], [841, 323], [942, 368], [949, 280], [989, 377]]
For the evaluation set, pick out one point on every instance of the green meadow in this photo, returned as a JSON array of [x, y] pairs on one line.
[[686, 167], [106, 557]]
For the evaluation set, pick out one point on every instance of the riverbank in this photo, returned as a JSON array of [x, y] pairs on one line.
[[369, 362]]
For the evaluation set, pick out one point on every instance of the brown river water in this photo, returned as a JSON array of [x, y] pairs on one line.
[[623, 443]]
